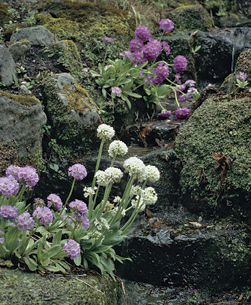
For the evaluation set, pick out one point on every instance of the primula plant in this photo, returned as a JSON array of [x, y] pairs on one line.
[[241, 81], [53, 236], [138, 69]]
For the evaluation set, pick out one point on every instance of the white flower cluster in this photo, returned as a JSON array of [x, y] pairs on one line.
[[96, 235], [117, 148], [117, 199], [135, 190], [110, 175], [105, 132], [101, 223], [149, 195], [135, 167], [89, 191], [152, 173], [141, 204]]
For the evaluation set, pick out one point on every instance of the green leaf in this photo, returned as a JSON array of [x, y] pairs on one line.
[[163, 91], [11, 238], [54, 250], [104, 92], [124, 98], [57, 238], [32, 265], [77, 260], [95, 74], [52, 268], [134, 94]]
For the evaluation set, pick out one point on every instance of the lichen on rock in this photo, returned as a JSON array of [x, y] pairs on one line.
[[220, 125]]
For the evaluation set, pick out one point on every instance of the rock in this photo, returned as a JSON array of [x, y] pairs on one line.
[[219, 51], [212, 257], [191, 17], [19, 48], [212, 153], [38, 36], [7, 66], [5, 16], [71, 112], [21, 121], [67, 290]]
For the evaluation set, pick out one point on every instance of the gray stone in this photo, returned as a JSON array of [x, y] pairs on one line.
[[21, 121], [19, 48], [37, 36], [82, 108], [7, 66]]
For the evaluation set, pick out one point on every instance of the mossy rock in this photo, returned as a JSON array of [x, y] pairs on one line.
[[18, 287], [220, 125], [191, 17], [181, 44], [5, 17], [72, 114]]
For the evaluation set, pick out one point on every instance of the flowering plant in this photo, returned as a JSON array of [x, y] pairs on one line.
[[138, 68], [241, 79], [52, 235]]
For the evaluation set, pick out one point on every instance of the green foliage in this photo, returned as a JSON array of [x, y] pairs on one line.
[[41, 246]]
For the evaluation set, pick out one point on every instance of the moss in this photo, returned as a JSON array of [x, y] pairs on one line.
[[23, 41], [220, 125], [19, 287], [72, 138], [27, 101], [5, 17], [191, 17], [12, 29]]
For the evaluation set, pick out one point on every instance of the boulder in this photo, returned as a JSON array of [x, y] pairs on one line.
[[72, 114], [212, 155], [37, 36], [21, 121], [7, 66], [19, 49]]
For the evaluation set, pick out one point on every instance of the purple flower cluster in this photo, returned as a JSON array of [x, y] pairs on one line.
[[54, 201], [8, 186], [25, 222], [108, 39], [180, 63], [138, 58], [241, 76], [116, 90], [39, 202], [151, 50], [136, 45], [80, 210], [8, 212], [72, 249], [182, 113], [13, 170], [165, 114], [166, 47], [44, 215], [77, 171], [142, 33], [166, 25], [28, 175], [162, 73]]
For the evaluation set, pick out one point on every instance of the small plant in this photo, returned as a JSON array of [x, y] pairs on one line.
[[241, 80], [57, 235], [134, 71]]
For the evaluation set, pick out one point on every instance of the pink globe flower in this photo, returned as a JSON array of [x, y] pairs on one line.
[[180, 63], [77, 171], [142, 33], [72, 249], [166, 25]]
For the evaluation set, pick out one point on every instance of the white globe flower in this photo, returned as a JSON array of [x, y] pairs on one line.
[[152, 173], [135, 190], [113, 174], [101, 178], [141, 204], [149, 195], [105, 132], [117, 148], [134, 167]]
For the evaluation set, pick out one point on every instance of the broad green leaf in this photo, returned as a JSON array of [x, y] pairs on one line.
[[134, 94], [163, 91], [32, 265], [57, 238], [104, 92], [52, 268], [77, 260]]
